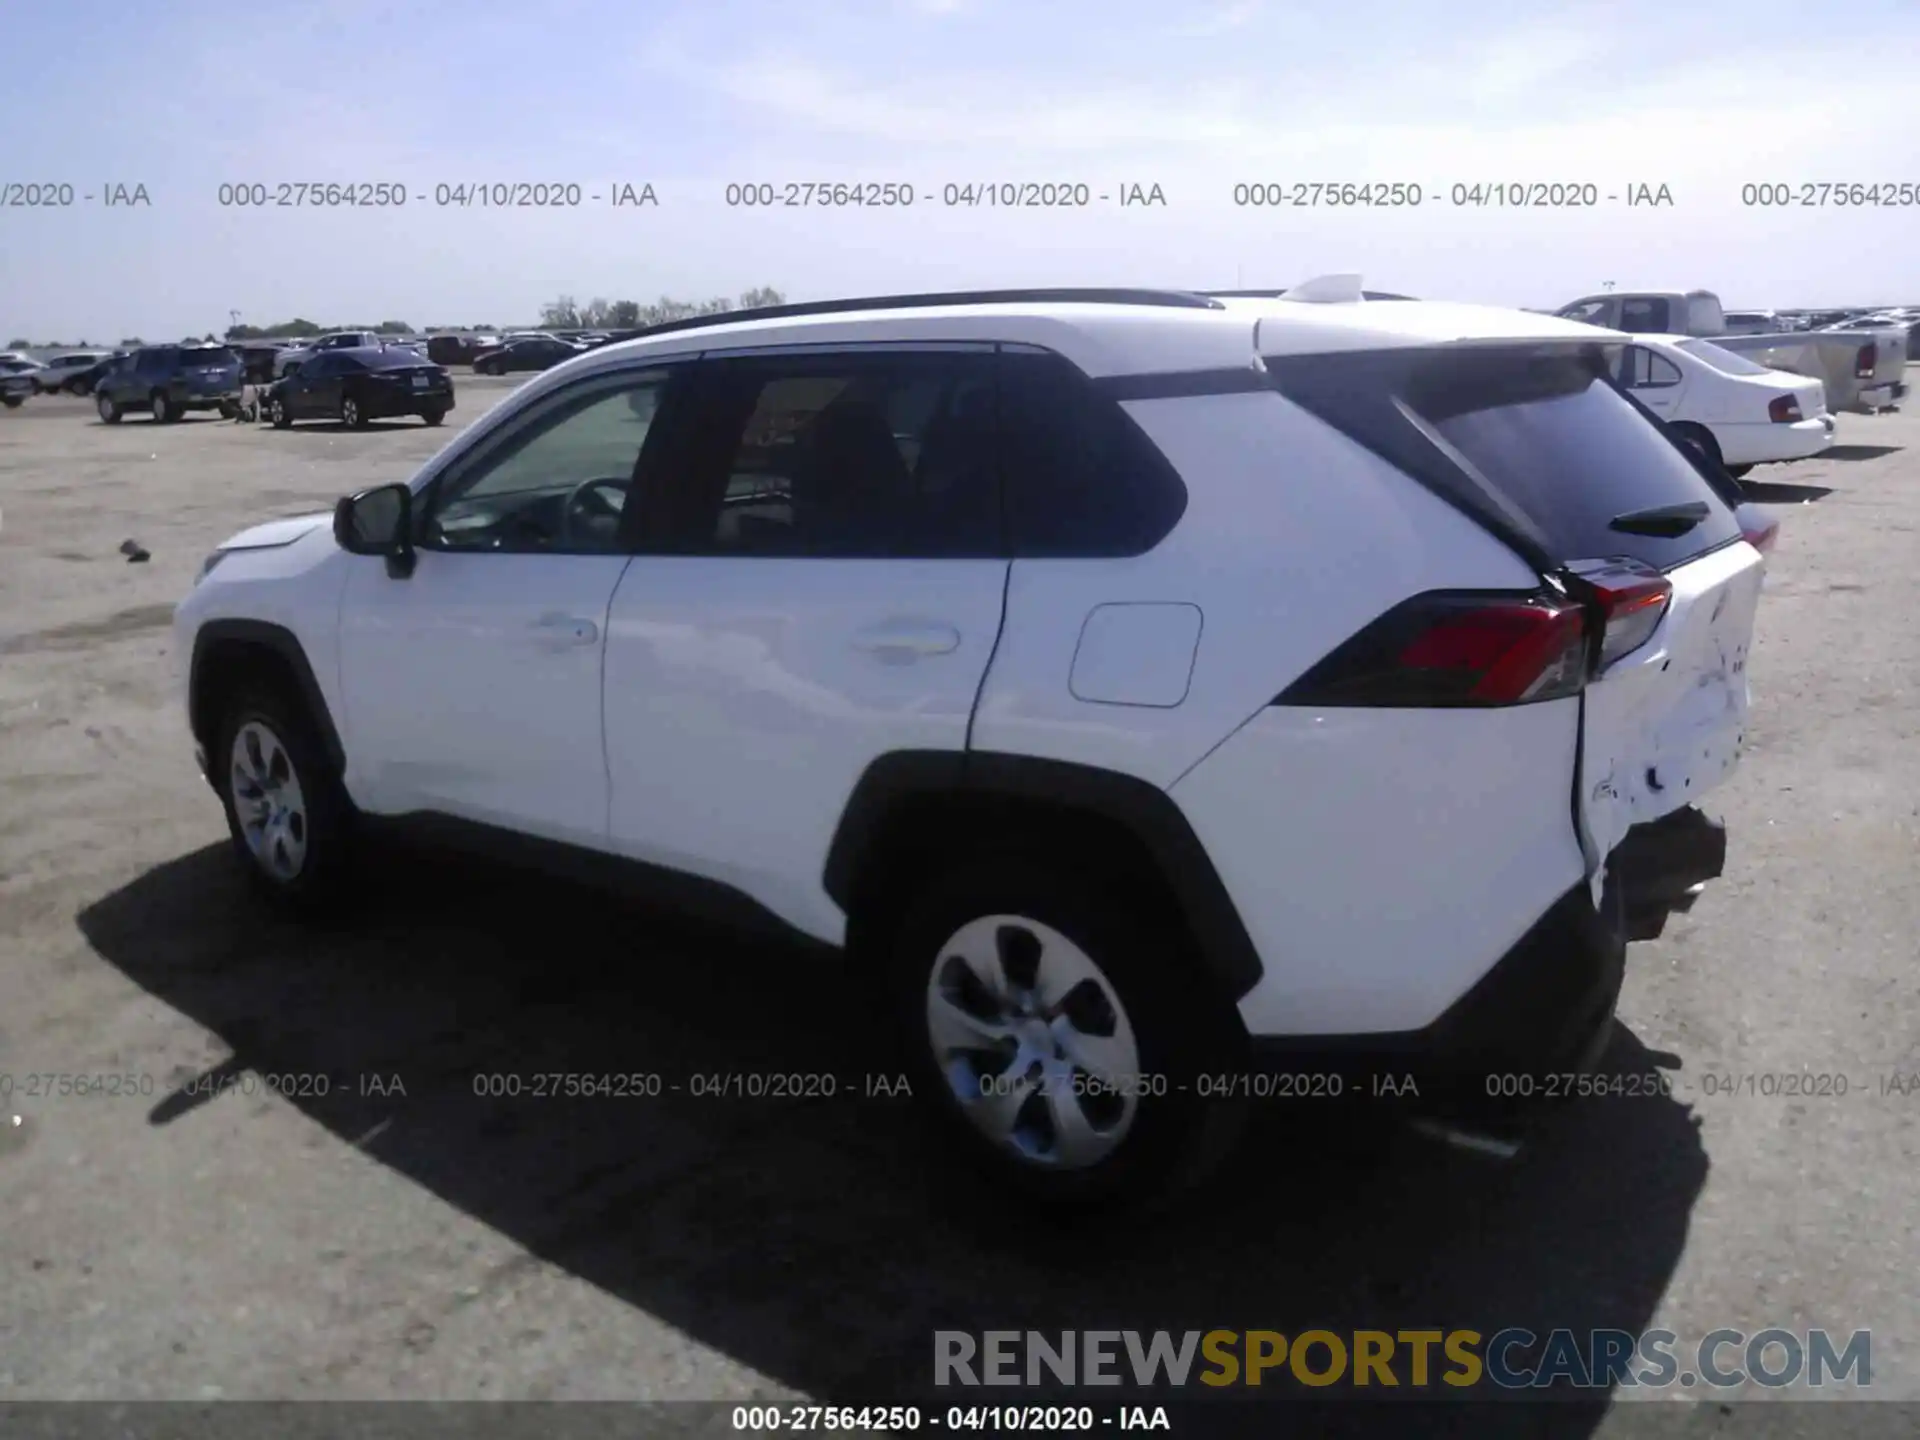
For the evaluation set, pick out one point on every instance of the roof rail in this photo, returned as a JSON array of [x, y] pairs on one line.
[[1169, 299], [1276, 294]]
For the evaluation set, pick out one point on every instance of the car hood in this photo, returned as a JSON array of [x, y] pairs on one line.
[[278, 532]]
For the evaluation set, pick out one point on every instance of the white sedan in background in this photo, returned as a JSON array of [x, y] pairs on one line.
[[1732, 410]]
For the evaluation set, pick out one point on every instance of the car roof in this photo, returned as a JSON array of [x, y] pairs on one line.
[[1122, 337]]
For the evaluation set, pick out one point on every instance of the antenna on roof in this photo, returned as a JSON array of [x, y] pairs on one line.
[[1327, 290]]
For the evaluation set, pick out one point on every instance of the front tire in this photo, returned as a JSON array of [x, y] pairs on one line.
[[1739, 472], [351, 415], [109, 412], [13, 402], [163, 411], [1058, 1035], [288, 817]]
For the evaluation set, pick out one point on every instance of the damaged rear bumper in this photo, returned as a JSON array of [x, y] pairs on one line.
[[1661, 866], [1542, 1013]]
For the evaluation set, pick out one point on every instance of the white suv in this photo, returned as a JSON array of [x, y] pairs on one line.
[[1148, 689]]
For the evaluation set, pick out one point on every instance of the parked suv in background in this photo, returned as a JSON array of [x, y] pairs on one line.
[[1145, 688], [355, 386], [167, 381]]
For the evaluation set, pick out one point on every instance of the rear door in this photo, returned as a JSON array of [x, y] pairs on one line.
[[1568, 455], [820, 583]]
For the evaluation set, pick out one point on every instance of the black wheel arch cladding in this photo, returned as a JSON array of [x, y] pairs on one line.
[[224, 643], [899, 782]]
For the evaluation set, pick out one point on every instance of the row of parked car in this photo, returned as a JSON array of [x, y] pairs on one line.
[[78, 372], [352, 383]]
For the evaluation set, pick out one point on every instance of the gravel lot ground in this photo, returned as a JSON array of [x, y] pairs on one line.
[[430, 1243]]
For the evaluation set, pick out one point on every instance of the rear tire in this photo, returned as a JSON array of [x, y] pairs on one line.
[[433, 417], [1739, 472], [278, 413], [351, 415], [12, 402], [288, 816], [1061, 972], [109, 412]]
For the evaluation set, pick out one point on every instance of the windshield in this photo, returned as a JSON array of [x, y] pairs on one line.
[[1725, 361]]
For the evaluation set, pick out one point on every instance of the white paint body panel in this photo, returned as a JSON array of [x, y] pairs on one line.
[[745, 696], [472, 688], [1383, 860], [1294, 538], [1664, 725]]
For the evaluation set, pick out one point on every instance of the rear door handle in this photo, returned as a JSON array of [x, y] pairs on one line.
[[901, 642], [566, 630]]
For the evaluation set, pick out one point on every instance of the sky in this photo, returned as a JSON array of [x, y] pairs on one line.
[[942, 97]]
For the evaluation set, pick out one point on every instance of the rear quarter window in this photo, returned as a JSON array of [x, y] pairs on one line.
[[1081, 479]]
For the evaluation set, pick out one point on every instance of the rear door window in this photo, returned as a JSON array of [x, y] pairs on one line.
[[1645, 316], [1562, 447]]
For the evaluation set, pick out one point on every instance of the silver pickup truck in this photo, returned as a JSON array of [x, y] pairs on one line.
[[1863, 370]]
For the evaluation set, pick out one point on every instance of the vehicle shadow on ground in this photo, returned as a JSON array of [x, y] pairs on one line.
[[1859, 452], [335, 427], [822, 1241], [137, 418], [1780, 492]]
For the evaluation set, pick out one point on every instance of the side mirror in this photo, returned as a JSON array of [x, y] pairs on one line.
[[378, 522]]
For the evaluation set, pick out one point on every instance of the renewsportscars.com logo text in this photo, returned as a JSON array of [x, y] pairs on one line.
[[1377, 1360]]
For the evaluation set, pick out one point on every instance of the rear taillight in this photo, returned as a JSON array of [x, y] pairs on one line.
[[1633, 600], [1451, 649], [1758, 529], [1785, 410], [1863, 363]]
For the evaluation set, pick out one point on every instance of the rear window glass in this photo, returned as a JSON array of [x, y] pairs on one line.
[[1562, 447], [1725, 361], [208, 355]]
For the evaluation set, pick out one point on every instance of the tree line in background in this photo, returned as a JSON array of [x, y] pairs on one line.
[[563, 314], [568, 314]]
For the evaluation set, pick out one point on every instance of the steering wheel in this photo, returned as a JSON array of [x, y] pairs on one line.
[[592, 500]]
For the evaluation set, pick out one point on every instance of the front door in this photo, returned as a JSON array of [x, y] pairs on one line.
[[472, 686]]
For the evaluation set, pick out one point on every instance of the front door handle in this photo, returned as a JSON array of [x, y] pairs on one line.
[[566, 630], [900, 642]]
